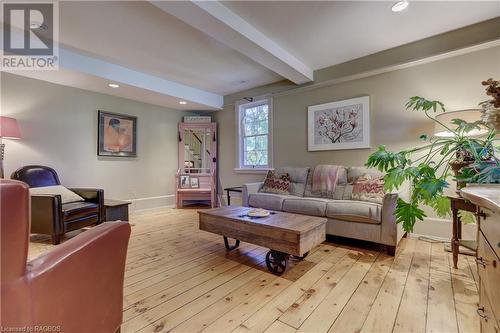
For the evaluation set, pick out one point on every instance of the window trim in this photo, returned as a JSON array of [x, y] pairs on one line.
[[240, 168]]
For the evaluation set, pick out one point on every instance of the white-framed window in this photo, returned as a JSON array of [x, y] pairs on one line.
[[254, 128]]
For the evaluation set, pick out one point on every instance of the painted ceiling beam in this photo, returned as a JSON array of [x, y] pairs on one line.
[[217, 21], [76, 61], [93, 66]]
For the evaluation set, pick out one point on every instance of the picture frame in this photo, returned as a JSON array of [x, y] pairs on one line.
[[194, 182], [116, 135], [339, 125], [184, 181]]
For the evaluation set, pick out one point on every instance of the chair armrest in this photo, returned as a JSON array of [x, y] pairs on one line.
[[93, 195], [249, 189], [82, 279], [46, 214]]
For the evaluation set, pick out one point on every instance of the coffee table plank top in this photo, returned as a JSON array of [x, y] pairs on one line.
[[285, 232], [292, 223]]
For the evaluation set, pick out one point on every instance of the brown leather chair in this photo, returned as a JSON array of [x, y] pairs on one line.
[[76, 287], [49, 215]]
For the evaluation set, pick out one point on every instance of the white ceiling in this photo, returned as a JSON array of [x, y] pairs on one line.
[[326, 33], [197, 51]]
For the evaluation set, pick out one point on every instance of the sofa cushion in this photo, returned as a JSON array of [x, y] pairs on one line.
[[266, 200], [298, 179], [366, 188], [306, 206], [353, 173], [277, 184], [354, 211]]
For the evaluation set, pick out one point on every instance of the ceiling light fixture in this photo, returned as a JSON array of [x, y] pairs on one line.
[[400, 6], [183, 102], [113, 85]]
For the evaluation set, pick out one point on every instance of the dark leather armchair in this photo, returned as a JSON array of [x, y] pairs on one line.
[[75, 287], [49, 215]]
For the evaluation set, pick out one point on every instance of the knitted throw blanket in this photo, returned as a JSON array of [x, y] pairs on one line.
[[324, 180]]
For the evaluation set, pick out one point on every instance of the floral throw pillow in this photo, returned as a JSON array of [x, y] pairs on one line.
[[366, 188], [276, 184]]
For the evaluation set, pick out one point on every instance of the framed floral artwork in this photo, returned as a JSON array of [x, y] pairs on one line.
[[117, 135], [339, 125]]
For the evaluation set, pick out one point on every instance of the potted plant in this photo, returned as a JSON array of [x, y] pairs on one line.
[[427, 168]]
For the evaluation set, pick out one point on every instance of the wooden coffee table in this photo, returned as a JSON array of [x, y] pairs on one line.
[[283, 233]]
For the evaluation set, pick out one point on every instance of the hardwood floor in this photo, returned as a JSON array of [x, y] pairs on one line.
[[180, 279]]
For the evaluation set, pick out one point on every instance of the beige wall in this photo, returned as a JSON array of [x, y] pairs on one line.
[[455, 81], [59, 128]]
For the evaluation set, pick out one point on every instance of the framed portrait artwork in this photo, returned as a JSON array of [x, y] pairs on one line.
[[184, 181], [339, 125], [117, 135], [195, 182]]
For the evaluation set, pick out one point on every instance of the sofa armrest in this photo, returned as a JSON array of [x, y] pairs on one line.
[[81, 279], [250, 189], [391, 232], [46, 214], [94, 195]]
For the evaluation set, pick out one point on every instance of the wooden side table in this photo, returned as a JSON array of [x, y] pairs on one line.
[[459, 203], [115, 210]]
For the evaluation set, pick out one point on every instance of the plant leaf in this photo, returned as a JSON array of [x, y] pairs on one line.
[[407, 214], [467, 217]]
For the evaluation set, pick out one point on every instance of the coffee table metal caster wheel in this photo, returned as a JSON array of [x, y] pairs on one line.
[[301, 258], [276, 262]]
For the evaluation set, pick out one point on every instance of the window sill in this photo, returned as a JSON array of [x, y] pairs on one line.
[[253, 170]]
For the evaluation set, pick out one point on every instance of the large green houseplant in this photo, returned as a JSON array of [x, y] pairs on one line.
[[428, 167]]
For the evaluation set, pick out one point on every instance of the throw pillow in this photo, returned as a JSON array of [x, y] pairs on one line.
[[366, 188], [66, 195], [276, 184]]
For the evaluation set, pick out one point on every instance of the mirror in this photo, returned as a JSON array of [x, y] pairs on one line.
[[197, 156]]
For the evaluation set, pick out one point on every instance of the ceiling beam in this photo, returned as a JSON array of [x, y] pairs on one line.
[[217, 21], [73, 60]]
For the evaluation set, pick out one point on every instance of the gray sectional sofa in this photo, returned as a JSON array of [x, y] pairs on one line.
[[347, 218]]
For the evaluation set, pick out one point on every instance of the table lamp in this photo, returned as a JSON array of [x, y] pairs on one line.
[[9, 129]]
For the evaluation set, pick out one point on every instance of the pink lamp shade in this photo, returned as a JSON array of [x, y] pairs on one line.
[[9, 128]]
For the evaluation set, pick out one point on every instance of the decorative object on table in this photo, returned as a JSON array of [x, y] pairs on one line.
[[339, 125], [284, 234], [9, 129], [278, 184], [258, 212], [197, 144], [115, 210], [184, 181], [491, 108], [49, 214], [471, 158], [117, 135], [194, 182], [197, 119]]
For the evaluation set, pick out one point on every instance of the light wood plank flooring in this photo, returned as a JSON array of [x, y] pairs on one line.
[[180, 279]]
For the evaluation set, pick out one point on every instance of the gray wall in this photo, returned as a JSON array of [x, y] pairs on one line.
[[456, 81], [59, 128]]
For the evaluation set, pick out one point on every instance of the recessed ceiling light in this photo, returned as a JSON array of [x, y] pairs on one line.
[[183, 102], [400, 6], [113, 85]]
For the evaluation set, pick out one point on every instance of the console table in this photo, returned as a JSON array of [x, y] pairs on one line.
[[459, 203]]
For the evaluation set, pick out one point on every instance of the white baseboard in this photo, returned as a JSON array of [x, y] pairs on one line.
[[152, 202], [442, 228]]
